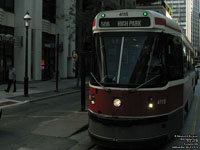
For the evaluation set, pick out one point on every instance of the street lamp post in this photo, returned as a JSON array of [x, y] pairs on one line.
[[27, 19]]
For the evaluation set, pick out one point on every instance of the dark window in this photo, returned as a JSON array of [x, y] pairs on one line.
[[149, 2], [174, 58], [49, 10], [122, 3], [187, 59], [48, 55], [6, 51], [7, 5], [85, 5]]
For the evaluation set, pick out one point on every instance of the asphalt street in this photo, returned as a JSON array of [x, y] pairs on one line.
[[43, 125], [31, 126]]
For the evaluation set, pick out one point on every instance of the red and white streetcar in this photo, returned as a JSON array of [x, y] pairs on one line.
[[142, 79]]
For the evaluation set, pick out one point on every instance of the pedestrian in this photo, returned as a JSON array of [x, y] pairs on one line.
[[11, 79]]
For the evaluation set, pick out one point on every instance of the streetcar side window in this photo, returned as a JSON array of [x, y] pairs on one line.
[[185, 64], [174, 59], [187, 59]]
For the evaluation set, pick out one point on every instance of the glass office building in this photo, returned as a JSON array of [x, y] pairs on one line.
[[186, 13]]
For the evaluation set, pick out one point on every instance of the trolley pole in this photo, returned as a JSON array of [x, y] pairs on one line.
[[57, 61], [82, 80]]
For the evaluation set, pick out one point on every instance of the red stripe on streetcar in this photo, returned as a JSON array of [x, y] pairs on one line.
[[161, 21], [94, 22]]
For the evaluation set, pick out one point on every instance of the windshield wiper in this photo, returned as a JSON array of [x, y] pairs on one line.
[[135, 89], [106, 89]]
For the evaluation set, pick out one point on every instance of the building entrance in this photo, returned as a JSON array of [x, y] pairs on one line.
[[49, 63], [48, 56], [6, 60], [6, 51]]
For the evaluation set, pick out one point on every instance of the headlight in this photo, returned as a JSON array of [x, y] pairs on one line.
[[117, 102], [150, 105]]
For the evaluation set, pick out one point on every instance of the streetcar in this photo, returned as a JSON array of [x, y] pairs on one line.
[[142, 78]]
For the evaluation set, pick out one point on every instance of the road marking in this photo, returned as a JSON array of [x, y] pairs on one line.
[[192, 132], [30, 116], [4, 102]]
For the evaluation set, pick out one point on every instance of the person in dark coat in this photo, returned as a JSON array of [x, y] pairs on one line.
[[11, 79]]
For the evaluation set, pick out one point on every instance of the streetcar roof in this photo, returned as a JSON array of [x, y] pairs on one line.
[[157, 21]]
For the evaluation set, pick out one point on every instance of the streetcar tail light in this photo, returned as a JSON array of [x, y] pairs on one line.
[[160, 21], [94, 22]]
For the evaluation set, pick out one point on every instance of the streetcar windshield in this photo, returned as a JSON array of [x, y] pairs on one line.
[[129, 59]]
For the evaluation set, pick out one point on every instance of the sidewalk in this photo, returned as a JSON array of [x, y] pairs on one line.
[[37, 90]]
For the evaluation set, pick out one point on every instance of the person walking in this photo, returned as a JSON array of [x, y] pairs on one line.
[[11, 79]]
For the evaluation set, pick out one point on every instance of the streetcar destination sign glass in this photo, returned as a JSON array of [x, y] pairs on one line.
[[124, 22]]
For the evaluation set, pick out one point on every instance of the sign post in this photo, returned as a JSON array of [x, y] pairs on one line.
[[83, 80], [57, 61]]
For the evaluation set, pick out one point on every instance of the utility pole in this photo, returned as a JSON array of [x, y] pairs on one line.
[[79, 37], [57, 61]]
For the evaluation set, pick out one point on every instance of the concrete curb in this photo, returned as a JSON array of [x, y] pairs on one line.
[[51, 96], [83, 128], [38, 99], [9, 106]]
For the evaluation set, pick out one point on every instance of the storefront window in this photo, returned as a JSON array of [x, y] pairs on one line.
[[48, 56], [6, 51], [49, 10]]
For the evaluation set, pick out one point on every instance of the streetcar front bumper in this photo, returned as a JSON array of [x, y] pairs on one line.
[[126, 132]]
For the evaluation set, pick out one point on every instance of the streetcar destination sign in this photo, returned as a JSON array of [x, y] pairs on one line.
[[124, 22]]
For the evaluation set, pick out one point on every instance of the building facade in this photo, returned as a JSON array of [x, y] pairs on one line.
[[179, 12], [186, 13], [195, 37], [49, 19]]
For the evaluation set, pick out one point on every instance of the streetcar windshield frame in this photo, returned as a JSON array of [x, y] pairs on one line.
[[129, 59]]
